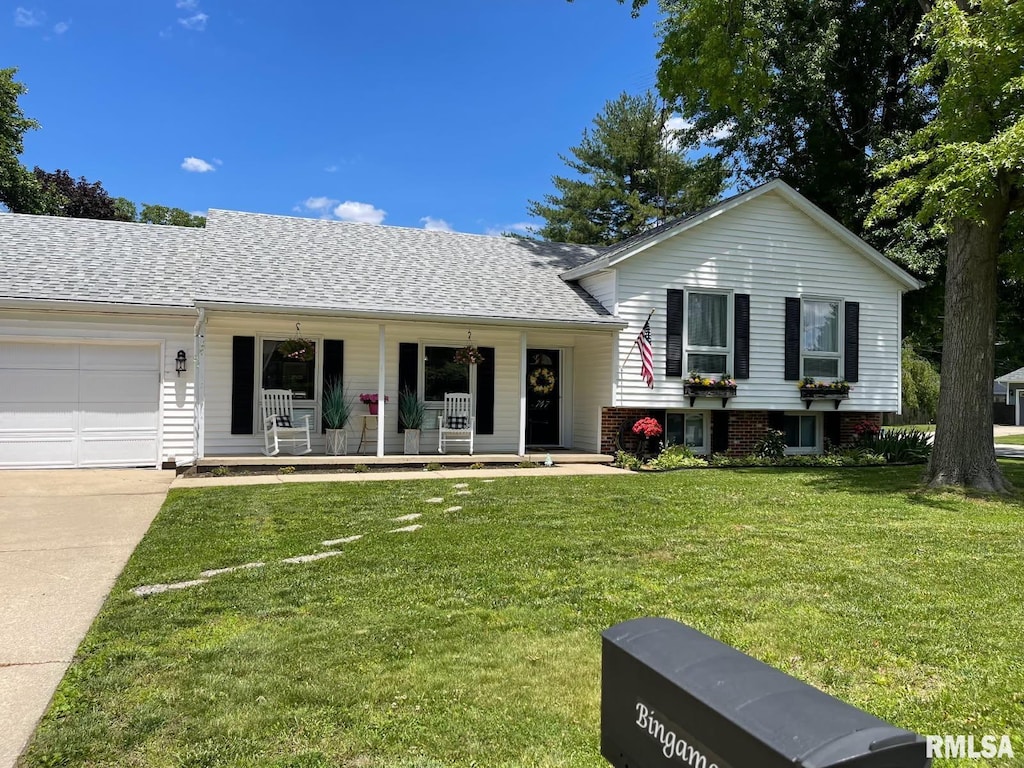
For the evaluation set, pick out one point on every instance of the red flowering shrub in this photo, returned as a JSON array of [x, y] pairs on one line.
[[866, 430], [647, 427]]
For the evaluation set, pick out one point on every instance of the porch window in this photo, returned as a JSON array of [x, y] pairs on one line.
[[442, 374], [293, 371], [707, 332], [686, 429], [820, 334], [801, 433]]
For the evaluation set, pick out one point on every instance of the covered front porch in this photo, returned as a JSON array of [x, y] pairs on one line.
[[539, 389]]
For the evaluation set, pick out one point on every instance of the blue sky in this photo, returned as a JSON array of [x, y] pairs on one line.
[[443, 113]]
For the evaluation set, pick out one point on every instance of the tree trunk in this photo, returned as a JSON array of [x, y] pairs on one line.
[[963, 453]]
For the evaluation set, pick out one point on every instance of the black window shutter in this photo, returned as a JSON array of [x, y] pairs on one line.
[[833, 428], [334, 366], [719, 431], [243, 374], [485, 392], [792, 339], [852, 351], [674, 334], [777, 420], [741, 332], [408, 371]]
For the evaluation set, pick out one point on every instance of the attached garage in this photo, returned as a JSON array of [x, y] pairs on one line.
[[65, 404]]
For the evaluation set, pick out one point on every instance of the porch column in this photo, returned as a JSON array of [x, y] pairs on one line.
[[522, 393], [380, 390], [199, 387]]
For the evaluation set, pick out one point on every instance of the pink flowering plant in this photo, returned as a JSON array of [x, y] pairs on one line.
[[372, 397], [647, 427]]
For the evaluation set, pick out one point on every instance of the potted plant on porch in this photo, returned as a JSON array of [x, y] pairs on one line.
[[411, 412], [337, 408]]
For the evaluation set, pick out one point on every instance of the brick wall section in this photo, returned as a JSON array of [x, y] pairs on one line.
[[612, 420], [848, 420], [745, 429]]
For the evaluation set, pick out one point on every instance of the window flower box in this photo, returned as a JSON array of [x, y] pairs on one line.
[[699, 386], [811, 390]]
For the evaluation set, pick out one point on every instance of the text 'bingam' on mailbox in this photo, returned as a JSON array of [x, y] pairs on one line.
[[672, 696]]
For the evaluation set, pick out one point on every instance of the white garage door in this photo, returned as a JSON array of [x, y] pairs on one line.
[[78, 405]]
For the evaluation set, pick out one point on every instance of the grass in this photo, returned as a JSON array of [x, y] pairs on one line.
[[1010, 439], [475, 641]]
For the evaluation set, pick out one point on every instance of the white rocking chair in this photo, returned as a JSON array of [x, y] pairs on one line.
[[457, 422], [279, 427]]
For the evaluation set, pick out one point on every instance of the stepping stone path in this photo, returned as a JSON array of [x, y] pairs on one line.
[[311, 558], [346, 540], [156, 589], [230, 569]]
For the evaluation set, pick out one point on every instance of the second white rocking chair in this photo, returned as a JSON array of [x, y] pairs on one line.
[[456, 423]]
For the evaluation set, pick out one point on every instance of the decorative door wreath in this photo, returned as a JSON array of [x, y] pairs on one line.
[[542, 381]]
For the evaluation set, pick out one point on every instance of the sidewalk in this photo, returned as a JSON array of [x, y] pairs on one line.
[[208, 481]]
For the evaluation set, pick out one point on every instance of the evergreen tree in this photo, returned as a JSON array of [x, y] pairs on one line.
[[631, 175]]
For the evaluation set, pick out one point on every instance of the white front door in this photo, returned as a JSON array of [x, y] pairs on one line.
[[79, 405]]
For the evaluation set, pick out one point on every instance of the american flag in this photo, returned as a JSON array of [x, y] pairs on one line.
[[646, 354]]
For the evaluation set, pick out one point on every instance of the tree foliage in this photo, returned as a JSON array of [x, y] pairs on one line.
[[80, 198], [965, 169], [631, 174], [177, 217], [920, 386], [805, 91], [18, 187]]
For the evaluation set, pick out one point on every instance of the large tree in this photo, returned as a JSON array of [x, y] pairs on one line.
[[79, 198], [19, 189], [966, 167], [630, 174]]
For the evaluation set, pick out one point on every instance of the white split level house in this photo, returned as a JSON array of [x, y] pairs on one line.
[[126, 344]]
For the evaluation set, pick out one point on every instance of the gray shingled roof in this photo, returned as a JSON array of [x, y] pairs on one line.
[[85, 260], [258, 259], [1017, 375]]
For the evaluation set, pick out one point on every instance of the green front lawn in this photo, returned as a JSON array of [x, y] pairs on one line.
[[474, 641], [1010, 439]]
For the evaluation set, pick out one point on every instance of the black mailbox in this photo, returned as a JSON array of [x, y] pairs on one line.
[[672, 696]]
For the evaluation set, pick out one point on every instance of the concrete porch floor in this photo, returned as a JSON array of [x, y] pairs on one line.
[[321, 461]]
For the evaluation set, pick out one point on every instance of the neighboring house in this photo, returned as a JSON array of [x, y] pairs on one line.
[[94, 317], [1008, 390]]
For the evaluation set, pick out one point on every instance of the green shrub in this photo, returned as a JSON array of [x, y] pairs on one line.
[[220, 471], [434, 467], [477, 465], [909, 446], [626, 460], [411, 410], [676, 456], [360, 468], [336, 405], [286, 470], [527, 464], [771, 446]]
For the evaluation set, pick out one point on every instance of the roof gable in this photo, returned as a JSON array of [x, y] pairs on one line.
[[639, 243]]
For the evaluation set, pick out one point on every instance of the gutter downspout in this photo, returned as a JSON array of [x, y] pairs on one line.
[[199, 386]]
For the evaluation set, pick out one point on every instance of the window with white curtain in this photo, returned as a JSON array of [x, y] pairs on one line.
[[707, 332], [820, 334]]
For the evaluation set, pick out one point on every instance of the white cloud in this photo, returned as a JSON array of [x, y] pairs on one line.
[[362, 212], [188, 5], [23, 17], [319, 204], [331, 169], [218, 161], [679, 123], [196, 23], [520, 227], [196, 165], [436, 225], [61, 27]]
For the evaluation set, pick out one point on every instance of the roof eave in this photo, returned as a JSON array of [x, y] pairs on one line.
[[609, 324], [71, 305]]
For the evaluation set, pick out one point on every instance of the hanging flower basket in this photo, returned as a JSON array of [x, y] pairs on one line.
[[468, 355], [302, 350]]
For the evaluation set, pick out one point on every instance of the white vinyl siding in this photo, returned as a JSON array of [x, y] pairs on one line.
[[119, 391], [770, 250], [602, 287]]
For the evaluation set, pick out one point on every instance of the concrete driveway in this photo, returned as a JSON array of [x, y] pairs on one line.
[[65, 535]]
